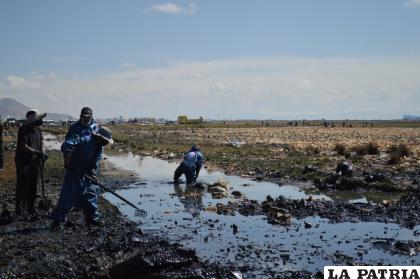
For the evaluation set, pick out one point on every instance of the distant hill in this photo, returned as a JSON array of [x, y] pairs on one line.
[[59, 116], [411, 117], [11, 108]]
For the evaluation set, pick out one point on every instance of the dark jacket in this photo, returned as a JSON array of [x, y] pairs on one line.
[[1, 145], [82, 145], [32, 137]]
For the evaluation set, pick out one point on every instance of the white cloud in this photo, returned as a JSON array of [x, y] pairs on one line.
[[282, 87], [306, 85], [191, 9], [33, 82], [219, 87], [18, 83], [128, 66], [171, 8], [196, 75], [412, 3], [37, 77]]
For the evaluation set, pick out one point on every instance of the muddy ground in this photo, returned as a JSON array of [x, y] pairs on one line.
[[299, 155], [282, 156], [114, 250]]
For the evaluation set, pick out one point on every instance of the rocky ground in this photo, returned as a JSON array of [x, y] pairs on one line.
[[405, 211]]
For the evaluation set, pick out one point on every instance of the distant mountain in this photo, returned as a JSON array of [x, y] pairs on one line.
[[12, 108], [59, 116], [411, 117]]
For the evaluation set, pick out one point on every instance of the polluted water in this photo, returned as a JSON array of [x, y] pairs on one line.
[[185, 214]]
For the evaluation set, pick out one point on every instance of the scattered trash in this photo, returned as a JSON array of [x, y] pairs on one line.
[[236, 143], [237, 274]]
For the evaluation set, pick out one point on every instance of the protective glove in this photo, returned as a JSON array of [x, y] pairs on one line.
[[91, 173], [43, 157], [197, 172], [67, 157]]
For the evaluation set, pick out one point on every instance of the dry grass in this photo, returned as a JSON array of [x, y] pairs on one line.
[[8, 174], [396, 152], [300, 138], [370, 148], [340, 149], [280, 151]]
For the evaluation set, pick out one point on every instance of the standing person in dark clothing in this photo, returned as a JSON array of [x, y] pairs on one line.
[[1, 146], [30, 150]]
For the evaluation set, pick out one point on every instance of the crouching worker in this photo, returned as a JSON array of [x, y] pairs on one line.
[[30, 151], [190, 166], [344, 169], [82, 150]]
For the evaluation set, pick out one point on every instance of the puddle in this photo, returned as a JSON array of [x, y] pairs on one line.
[[51, 142], [161, 172], [371, 196], [249, 242]]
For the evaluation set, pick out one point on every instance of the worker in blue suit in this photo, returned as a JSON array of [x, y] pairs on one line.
[[190, 166], [82, 150]]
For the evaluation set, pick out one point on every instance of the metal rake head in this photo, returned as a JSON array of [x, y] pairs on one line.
[[140, 213]]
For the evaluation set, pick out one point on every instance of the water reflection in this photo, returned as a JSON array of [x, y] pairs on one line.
[[190, 197]]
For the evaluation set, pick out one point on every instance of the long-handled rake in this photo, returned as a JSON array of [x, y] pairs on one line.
[[139, 212]]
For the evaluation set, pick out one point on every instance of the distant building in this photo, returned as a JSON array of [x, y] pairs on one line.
[[142, 120], [182, 119], [11, 120], [50, 122], [160, 121], [411, 117]]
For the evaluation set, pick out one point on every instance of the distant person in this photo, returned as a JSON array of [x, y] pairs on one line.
[[344, 169], [30, 151], [82, 150], [190, 166]]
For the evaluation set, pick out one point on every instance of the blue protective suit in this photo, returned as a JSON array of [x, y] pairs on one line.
[[78, 191], [190, 166]]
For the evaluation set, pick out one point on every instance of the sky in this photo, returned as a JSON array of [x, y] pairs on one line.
[[271, 59]]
